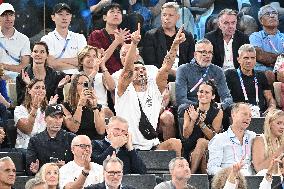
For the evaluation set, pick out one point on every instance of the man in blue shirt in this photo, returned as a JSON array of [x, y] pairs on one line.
[[269, 42]]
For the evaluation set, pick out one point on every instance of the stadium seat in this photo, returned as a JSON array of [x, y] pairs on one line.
[[200, 181], [157, 162], [11, 132], [140, 181], [277, 92], [254, 181], [21, 181], [18, 160], [256, 125]]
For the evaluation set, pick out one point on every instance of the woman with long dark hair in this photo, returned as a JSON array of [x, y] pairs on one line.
[[84, 115], [29, 116], [54, 80], [201, 123]]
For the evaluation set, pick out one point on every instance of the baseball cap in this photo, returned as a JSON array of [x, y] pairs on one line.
[[53, 109], [6, 7], [58, 7], [266, 9]]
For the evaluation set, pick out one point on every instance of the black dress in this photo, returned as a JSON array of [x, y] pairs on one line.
[[191, 141], [87, 126]]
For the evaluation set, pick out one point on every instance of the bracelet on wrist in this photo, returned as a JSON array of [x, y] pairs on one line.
[[85, 174]]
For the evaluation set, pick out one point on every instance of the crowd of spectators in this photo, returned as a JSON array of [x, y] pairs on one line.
[[86, 105]]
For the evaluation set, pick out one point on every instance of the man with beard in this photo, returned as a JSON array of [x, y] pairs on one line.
[[191, 75], [139, 99], [268, 42], [180, 172], [51, 145], [7, 173]]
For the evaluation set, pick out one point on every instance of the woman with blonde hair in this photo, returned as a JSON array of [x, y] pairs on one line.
[[29, 116], [269, 145], [49, 173], [91, 61]]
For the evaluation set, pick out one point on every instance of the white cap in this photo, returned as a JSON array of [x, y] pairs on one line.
[[6, 7]]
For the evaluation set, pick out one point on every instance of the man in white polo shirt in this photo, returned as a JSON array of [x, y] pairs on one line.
[[80, 172], [63, 45], [14, 46]]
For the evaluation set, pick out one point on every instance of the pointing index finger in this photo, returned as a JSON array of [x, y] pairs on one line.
[[180, 30], [138, 28]]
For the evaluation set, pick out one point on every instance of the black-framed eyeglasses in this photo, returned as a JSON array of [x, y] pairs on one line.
[[83, 146], [273, 13], [204, 52], [112, 173]]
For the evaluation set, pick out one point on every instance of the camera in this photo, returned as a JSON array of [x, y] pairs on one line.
[[86, 84], [53, 160]]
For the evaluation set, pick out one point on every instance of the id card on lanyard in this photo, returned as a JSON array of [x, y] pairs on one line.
[[245, 154], [200, 80], [254, 108], [244, 89]]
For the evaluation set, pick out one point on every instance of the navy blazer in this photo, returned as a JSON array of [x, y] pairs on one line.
[[103, 186], [216, 38], [133, 164]]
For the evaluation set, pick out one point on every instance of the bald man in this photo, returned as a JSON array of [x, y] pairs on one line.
[[80, 172]]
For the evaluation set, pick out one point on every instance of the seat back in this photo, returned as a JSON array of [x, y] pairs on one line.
[[140, 181], [18, 160], [157, 161], [200, 181], [254, 181], [277, 92], [21, 181], [256, 125], [11, 132]]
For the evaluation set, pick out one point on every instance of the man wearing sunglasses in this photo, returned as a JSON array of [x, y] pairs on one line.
[[80, 172], [269, 41]]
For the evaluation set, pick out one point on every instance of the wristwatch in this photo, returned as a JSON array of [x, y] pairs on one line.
[[85, 174], [203, 126]]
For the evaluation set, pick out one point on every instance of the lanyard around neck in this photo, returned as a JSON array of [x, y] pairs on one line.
[[245, 151], [200, 80], [244, 89]]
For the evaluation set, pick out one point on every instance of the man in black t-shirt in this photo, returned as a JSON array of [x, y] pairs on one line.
[[157, 42], [249, 86]]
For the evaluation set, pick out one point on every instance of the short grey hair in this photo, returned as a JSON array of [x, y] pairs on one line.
[[118, 118], [30, 184], [112, 160], [202, 41], [6, 158], [173, 5], [236, 106], [77, 138], [173, 162], [227, 12], [246, 48]]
